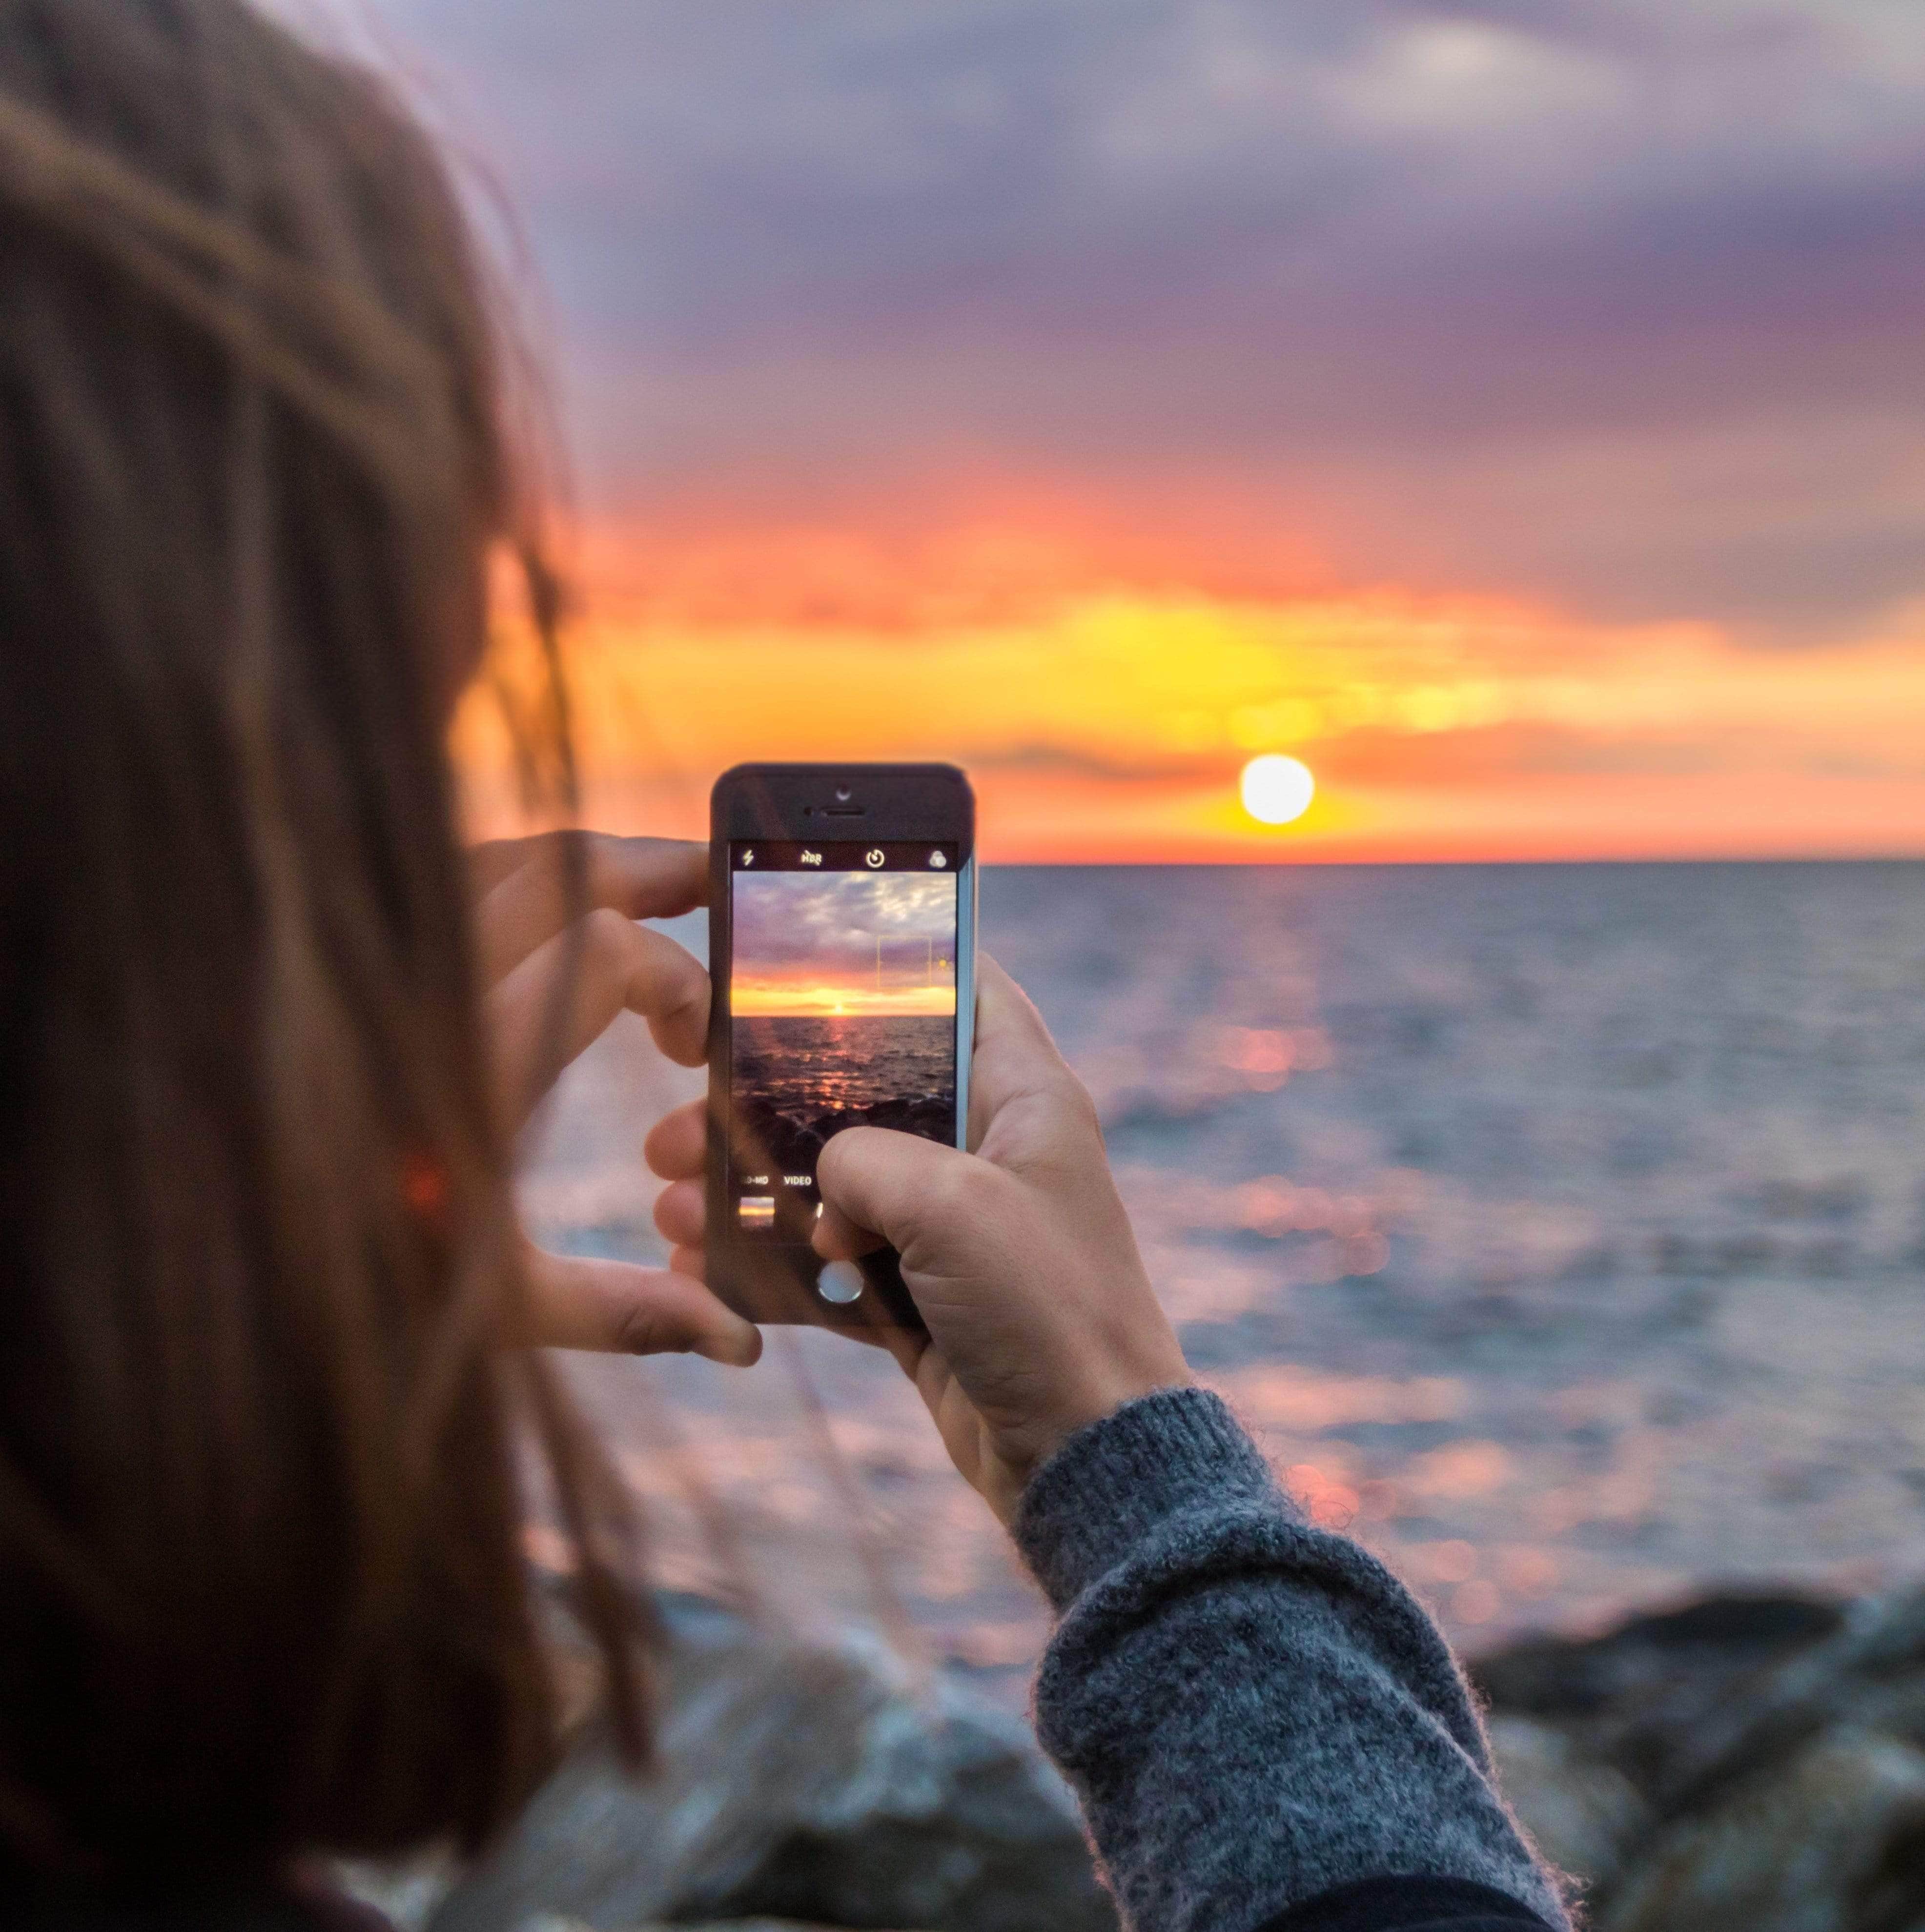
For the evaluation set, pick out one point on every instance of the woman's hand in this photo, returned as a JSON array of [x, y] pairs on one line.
[[1019, 1254], [530, 951]]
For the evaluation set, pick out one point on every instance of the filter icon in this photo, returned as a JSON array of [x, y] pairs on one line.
[[937, 859]]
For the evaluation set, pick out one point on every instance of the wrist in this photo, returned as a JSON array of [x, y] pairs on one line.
[[1116, 1480], [1027, 1451], [1103, 1397]]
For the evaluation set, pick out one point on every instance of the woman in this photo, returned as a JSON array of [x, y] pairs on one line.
[[265, 1038]]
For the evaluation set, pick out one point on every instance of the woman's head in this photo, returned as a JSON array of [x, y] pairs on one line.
[[259, 1589]]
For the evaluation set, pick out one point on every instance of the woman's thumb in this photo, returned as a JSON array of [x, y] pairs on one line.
[[880, 1186]]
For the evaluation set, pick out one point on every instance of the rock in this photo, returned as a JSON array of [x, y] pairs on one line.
[[1868, 1676], [1832, 1841], [407, 1893], [1580, 1814], [809, 1781], [1640, 1697], [1777, 1748], [1551, 1676]]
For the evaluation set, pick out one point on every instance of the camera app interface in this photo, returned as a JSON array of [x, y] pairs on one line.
[[842, 999]]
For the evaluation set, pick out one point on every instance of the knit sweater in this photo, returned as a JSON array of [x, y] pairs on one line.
[[1267, 1733]]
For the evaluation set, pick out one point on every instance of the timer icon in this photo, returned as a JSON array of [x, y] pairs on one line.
[[873, 855]]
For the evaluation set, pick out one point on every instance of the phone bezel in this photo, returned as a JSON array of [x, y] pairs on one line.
[[776, 1282]]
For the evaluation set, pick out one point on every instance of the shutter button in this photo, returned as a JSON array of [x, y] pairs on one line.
[[840, 1281]]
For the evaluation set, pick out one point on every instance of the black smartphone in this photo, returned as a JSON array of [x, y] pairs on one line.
[[843, 948]]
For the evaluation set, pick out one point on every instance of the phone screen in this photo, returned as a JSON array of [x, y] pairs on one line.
[[842, 1011]]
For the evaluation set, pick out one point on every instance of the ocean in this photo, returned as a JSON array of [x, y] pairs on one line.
[[809, 1066], [800, 1079], [1559, 1229]]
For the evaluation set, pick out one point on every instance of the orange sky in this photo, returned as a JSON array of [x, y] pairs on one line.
[[1104, 682]]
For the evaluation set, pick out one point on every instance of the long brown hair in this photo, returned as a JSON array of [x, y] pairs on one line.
[[261, 1589]]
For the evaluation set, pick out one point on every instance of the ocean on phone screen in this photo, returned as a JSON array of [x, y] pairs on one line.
[[1558, 1229], [799, 1079]]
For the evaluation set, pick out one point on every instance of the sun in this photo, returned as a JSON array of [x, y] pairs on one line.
[[1277, 789]]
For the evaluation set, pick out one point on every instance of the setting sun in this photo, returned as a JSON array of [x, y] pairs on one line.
[[1277, 789]]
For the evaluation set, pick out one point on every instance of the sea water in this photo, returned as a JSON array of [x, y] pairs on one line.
[[811, 1069], [1559, 1230]]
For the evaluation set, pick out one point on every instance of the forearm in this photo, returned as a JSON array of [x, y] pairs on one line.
[[1254, 1711]]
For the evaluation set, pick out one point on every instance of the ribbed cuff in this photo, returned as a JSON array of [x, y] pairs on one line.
[[1413, 1904], [1115, 1481]]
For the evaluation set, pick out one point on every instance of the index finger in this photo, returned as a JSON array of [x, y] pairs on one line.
[[528, 901]]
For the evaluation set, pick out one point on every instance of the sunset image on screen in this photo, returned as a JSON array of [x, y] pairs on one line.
[[842, 992]]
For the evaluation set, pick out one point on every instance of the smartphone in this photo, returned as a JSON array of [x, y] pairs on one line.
[[843, 948]]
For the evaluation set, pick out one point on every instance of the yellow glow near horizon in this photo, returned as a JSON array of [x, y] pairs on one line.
[[1277, 789], [786, 999], [1102, 719]]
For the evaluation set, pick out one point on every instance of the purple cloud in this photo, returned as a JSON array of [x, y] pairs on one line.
[[844, 926], [1620, 301]]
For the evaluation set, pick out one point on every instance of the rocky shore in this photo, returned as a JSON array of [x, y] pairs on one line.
[[821, 1784], [1744, 1763]]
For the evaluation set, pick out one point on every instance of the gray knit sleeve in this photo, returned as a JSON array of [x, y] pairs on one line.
[[1253, 1711]]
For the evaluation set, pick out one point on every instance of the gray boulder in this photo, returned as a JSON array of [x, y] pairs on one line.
[[1580, 1814], [1776, 1748], [1832, 1839], [819, 1782], [1800, 1806], [1869, 1676], [1643, 1697]]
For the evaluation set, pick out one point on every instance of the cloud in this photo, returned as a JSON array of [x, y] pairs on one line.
[[1502, 753], [834, 923], [1384, 269]]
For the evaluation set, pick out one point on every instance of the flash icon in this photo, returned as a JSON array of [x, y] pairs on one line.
[[748, 855]]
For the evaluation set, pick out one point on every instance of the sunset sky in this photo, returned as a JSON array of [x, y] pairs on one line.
[[855, 945], [1511, 408]]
